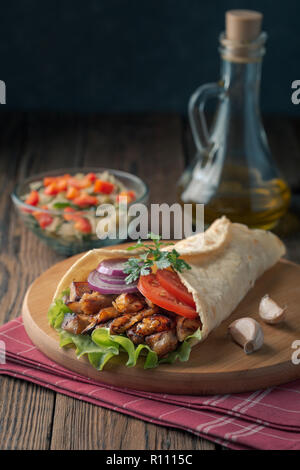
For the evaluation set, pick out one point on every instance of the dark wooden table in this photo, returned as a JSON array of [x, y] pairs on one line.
[[155, 147]]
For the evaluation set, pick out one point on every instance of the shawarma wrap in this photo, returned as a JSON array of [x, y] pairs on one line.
[[225, 262]]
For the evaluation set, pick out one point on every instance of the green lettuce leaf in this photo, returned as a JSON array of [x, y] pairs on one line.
[[101, 346], [102, 337], [184, 350], [84, 344], [57, 310]]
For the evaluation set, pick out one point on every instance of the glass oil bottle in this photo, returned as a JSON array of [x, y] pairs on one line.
[[233, 172]]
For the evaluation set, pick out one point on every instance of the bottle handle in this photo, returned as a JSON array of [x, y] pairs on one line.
[[197, 117]]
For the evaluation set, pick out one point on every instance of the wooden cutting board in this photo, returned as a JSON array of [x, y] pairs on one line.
[[216, 366]]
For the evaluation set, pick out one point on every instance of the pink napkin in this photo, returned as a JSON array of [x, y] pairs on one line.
[[265, 419]]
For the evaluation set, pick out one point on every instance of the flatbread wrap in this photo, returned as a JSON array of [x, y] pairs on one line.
[[223, 264]]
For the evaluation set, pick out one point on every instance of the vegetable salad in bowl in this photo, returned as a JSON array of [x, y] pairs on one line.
[[60, 207]]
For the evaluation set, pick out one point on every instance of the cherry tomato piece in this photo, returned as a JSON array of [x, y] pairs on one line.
[[104, 187], [33, 198], [85, 200], [72, 193], [82, 224], [52, 189]]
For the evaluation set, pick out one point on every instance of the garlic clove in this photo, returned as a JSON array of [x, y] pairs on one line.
[[248, 333], [270, 312]]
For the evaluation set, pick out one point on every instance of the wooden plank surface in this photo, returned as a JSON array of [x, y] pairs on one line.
[[26, 411], [101, 429], [156, 147]]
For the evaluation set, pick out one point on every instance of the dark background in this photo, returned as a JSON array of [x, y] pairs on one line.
[[134, 55]]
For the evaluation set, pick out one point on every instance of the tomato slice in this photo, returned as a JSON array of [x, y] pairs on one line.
[[152, 289], [172, 283]]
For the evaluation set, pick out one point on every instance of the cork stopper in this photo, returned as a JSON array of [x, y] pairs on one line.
[[243, 25]]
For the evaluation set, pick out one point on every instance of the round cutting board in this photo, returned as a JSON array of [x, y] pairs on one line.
[[216, 366]]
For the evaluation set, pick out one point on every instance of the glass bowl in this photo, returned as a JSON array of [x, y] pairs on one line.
[[67, 241]]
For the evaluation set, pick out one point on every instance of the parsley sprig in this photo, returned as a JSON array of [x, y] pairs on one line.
[[152, 255]]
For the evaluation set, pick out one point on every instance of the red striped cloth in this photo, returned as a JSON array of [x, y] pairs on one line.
[[265, 419]]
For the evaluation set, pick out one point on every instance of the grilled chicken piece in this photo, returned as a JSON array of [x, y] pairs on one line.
[[103, 325], [77, 289], [186, 327], [122, 323], [136, 339], [75, 324], [107, 314], [90, 304], [148, 326], [103, 317], [74, 306], [129, 303], [162, 343]]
